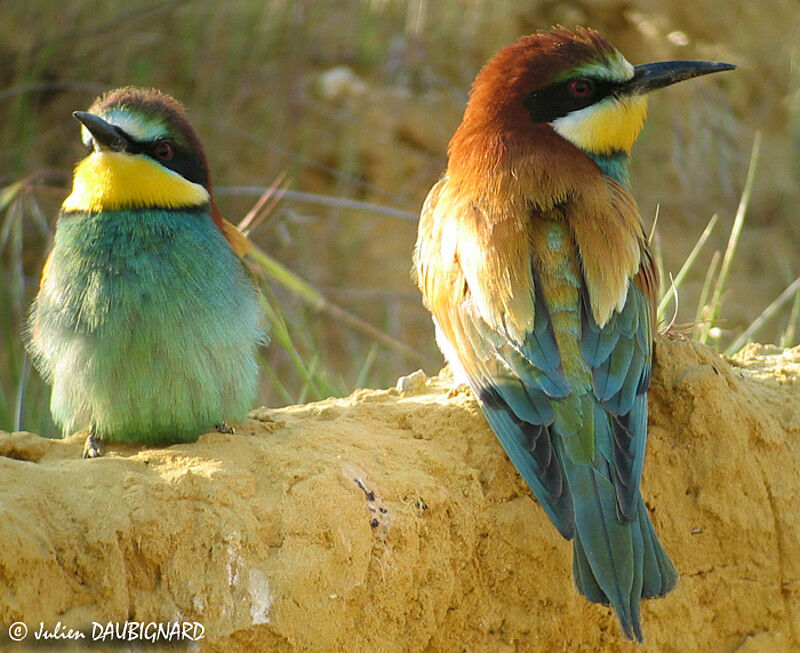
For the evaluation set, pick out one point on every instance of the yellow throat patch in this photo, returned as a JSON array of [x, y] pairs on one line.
[[606, 127], [116, 180]]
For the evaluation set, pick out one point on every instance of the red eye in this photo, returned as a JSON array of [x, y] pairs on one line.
[[581, 87], [164, 150]]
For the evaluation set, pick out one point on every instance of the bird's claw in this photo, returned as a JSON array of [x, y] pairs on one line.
[[93, 447]]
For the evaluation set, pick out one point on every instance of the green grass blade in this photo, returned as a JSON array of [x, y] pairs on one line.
[[766, 314], [687, 265], [790, 333], [318, 301], [730, 250], [702, 306], [21, 386], [280, 333], [288, 279], [366, 368], [273, 378]]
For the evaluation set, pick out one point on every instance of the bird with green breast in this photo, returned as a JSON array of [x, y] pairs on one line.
[[147, 322], [532, 258]]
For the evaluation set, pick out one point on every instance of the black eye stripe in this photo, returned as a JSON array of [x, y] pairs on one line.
[[183, 162], [557, 100]]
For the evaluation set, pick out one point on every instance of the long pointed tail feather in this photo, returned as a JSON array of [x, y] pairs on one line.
[[614, 563]]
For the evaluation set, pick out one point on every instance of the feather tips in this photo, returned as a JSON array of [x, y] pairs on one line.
[[608, 232], [487, 243], [237, 240]]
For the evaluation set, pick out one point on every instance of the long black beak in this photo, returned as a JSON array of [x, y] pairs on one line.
[[106, 136], [650, 76]]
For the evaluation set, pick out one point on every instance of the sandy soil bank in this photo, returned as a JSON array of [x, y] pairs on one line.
[[391, 520]]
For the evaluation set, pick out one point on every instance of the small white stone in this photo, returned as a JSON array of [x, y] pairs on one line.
[[413, 382], [338, 82], [678, 38]]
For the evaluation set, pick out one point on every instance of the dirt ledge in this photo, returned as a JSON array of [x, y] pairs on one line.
[[391, 520]]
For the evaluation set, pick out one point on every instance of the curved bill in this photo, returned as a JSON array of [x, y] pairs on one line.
[[106, 136], [650, 76]]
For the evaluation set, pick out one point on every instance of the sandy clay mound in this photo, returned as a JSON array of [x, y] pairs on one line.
[[392, 521]]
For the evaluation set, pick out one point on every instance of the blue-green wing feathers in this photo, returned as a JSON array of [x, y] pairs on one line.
[[621, 378], [539, 416], [530, 449]]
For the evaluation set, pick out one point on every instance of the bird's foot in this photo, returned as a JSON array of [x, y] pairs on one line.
[[93, 447], [224, 427]]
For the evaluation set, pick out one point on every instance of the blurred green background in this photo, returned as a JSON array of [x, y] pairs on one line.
[[357, 100]]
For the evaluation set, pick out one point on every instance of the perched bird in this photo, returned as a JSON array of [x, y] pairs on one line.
[[532, 259], [146, 322]]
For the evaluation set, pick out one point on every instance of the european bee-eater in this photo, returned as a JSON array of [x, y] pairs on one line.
[[146, 323], [532, 259]]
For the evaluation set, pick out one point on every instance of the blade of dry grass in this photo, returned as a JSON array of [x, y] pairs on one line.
[[266, 204], [321, 200], [658, 258], [652, 233]]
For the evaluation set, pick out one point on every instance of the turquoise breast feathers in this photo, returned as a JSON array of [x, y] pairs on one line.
[[147, 325]]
